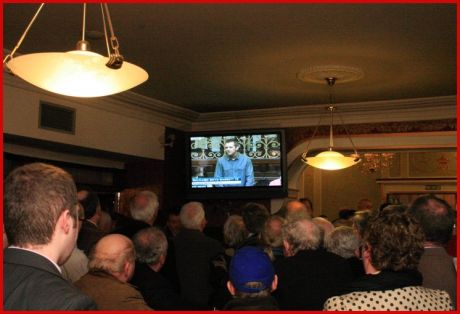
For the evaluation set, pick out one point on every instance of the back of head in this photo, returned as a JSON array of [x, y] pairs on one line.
[[91, 204], [364, 204], [251, 272], [272, 234], [144, 206], [395, 239], [192, 215], [436, 217], [111, 253], [234, 231], [35, 195], [342, 241], [254, 217], [302, 234], [360, 220], [325, 225], [150, 244]]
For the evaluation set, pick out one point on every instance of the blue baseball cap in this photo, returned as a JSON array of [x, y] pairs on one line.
[[251, 264]]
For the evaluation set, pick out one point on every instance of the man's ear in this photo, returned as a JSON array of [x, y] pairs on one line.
[[274, 283], [286, 248], [231, 288], [65, 221]]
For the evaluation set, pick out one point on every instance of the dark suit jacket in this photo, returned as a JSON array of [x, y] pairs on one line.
[[31, 282], [308, 279], [88, 236], [157, 291], [194, 252]]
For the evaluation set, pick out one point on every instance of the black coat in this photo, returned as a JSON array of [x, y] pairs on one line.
[[252, 304], [157, 291], [194, 252], [308, 279], [31, 282], [88, 236]]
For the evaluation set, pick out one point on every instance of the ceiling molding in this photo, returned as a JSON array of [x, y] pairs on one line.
[[155, 111]]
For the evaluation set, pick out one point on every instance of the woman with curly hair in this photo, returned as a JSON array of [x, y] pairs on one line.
[[391, 250]]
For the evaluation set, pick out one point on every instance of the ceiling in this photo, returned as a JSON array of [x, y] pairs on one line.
[[225, 57]]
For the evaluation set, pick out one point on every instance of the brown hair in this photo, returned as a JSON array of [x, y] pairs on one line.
[[35, 196], [395, 239]]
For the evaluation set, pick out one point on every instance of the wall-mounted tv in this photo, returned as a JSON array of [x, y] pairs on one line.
[[236, 164]]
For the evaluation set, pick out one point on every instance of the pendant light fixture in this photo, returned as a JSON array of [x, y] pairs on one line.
[[78, 73], [330, 159]]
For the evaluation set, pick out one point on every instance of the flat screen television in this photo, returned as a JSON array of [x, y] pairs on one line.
[[236, 164]]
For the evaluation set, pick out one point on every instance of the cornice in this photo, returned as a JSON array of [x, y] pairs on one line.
[[144, 108]]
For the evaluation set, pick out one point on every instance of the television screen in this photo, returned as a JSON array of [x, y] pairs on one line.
[[237, 164]]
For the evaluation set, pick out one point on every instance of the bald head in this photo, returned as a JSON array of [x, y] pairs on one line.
[[326, 227], [113, 254], [296, 210]]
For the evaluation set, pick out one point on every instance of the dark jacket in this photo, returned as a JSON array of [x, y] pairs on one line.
[[252, 304], [88, 236], [194, 252], [308, 279], [31, 282], [385, 280], [128, 226], [157, 291]]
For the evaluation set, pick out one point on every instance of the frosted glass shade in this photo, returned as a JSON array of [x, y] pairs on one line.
[[331, 160], [76, 73]]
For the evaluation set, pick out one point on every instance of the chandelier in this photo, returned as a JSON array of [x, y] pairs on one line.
[[371, 162]]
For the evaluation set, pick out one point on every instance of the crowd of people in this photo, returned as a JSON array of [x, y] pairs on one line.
[[64, 253]]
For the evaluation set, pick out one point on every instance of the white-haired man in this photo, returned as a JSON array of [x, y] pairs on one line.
[[143, 209], [308, 276], [194, 252]]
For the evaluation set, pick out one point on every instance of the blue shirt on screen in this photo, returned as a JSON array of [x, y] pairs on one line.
[[240, 167]]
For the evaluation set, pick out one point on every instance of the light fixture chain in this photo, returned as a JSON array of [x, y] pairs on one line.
[[105, 31], [348, 135], [10, 55], [331, 135], [113, 39], [314, 133]]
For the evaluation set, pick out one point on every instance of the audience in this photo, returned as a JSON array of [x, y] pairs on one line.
[[307, 277], [151, 248], [194, 252], [252, 279], [254, 217], [344, 242], [40, 219], [235, 233], [77, 264], [111, 266], [325, 227], [308, 205], [143, 209], [272, 237], [437, 220], [391, 259], [89, 233], [393, 245]]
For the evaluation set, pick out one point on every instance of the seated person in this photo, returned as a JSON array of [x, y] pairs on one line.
[[111, 266], [235, 164], [393, 245], [252, 279]]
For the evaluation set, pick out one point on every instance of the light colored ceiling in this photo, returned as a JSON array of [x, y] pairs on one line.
[[223, 57]]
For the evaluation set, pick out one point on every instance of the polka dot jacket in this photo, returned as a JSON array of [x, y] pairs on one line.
[[415, 298]]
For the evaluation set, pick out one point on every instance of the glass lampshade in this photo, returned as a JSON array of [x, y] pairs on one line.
[[331, 160], [76, 73]]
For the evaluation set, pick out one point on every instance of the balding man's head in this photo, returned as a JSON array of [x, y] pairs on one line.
[[296, 210], [326, 227], [192, 216], [115, 255]]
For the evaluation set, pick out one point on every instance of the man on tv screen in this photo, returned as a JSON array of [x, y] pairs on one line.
[[234, 166]]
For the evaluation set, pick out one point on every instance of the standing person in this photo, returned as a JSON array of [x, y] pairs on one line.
[[437, 220], [393, 245], [308, 276], [194, 253], [111, 266], [252, 279], [235, 164], [89, 232], [40, 218]]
